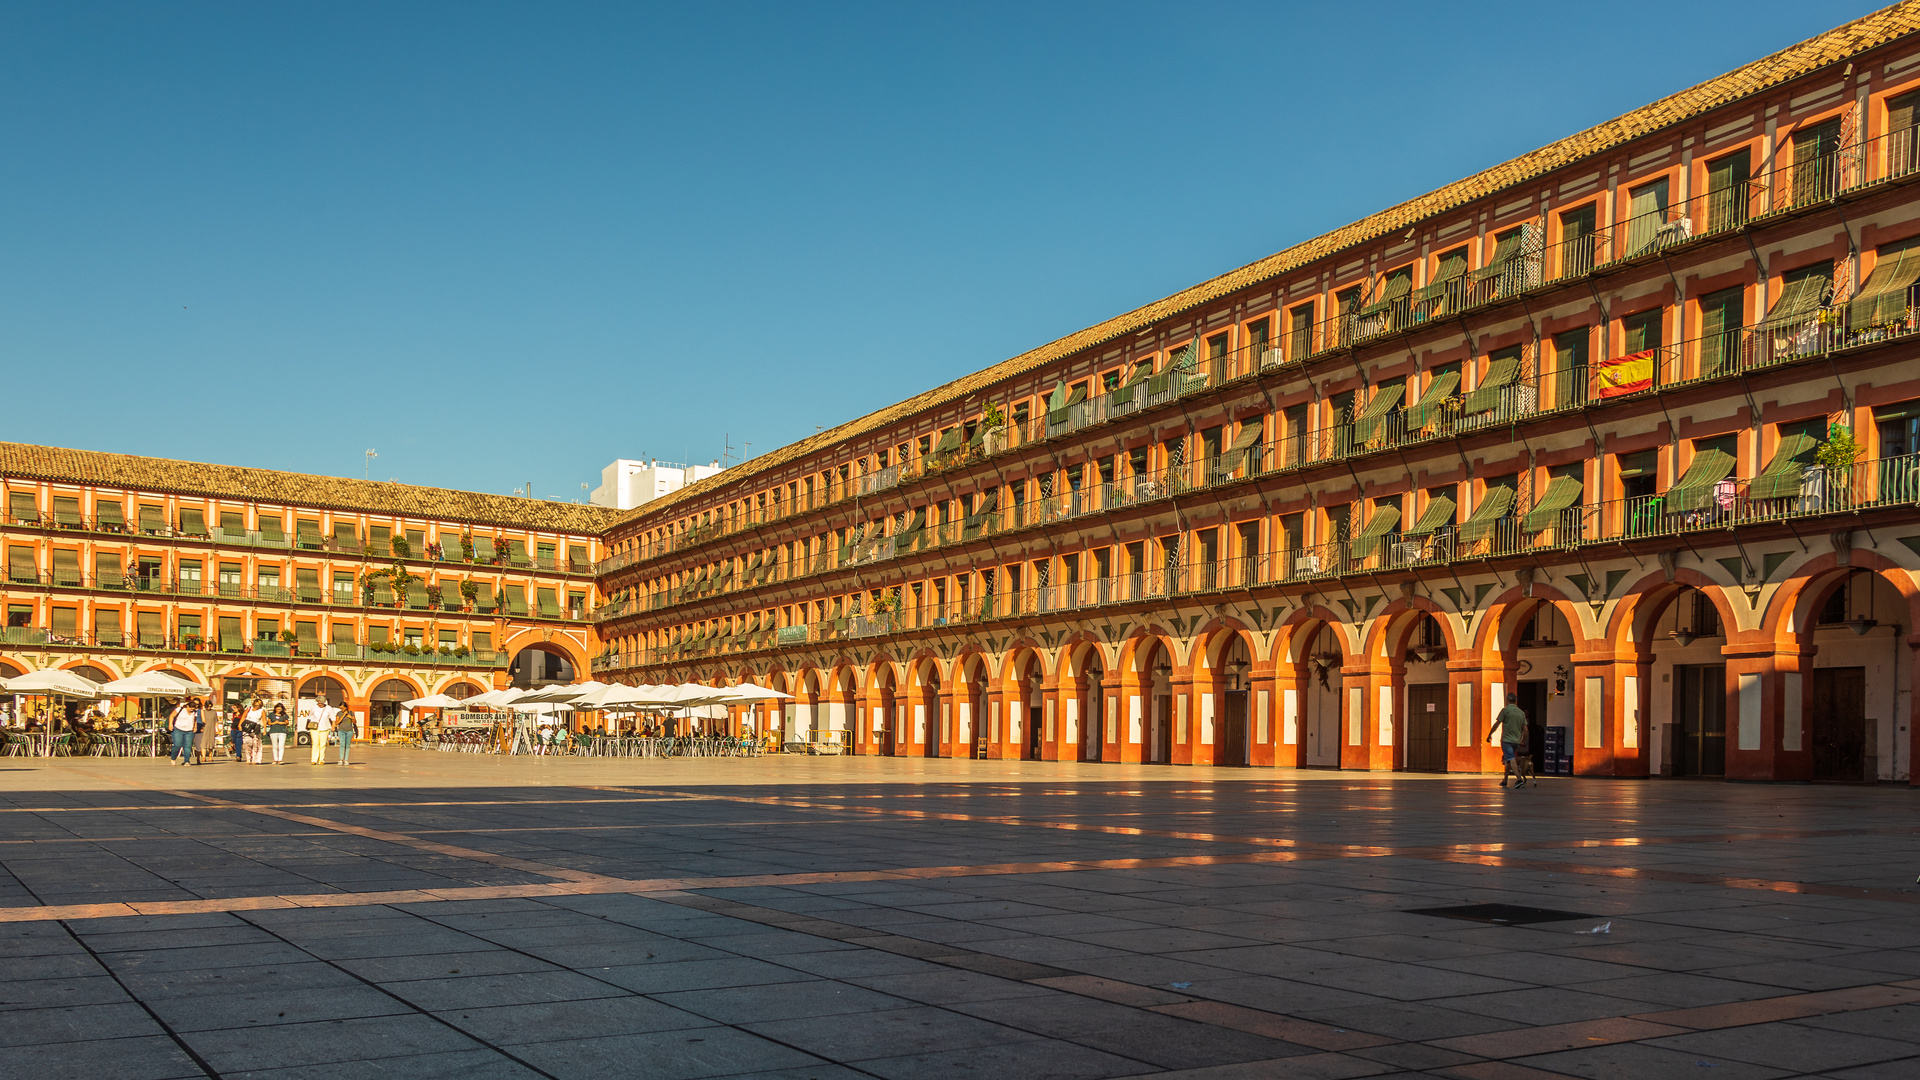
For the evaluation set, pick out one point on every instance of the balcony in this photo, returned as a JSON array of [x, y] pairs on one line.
[[1784, 494]]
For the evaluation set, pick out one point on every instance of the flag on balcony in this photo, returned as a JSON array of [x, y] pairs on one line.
[[1622, 375]]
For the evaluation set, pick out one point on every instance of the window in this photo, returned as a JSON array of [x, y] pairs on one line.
[[230, 583], [1647, 217], [266, 629], [1576, 241], [1642, 330], [1570, 365], [1901, 114], [1727, 190], [189, 628], [1722, 314], [1816, 157], [1300, 331], [190, 576]]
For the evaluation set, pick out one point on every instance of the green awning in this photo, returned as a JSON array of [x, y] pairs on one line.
[[1501, 374], [1398, 284], [1366, 426], [110, 513], [1800, 297], [950, 440], [1079, 394], [1782, 477], [1506, 248], [1695, 489], [1250, 433], [1141, 370], [1493, 506], [1883, 296], [1453, 265], [1058, 399], [516, 600], [1384, 519], [1562, 493], [483, 548], [1427, 410], [1439, 514]]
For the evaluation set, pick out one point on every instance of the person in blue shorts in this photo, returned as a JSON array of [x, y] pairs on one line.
[[1511, 723]]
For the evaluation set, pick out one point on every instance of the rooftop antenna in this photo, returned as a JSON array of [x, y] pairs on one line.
[[366, 467], [726, 449]]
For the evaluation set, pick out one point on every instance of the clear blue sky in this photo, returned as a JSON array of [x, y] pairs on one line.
[[509, 243]]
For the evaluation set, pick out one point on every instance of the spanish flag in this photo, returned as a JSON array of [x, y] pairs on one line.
[[1624, 375]]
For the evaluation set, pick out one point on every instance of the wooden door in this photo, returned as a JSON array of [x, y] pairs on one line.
[[1700, 719], [1233, 728], [1838, 724], [1427, 727], [1322, 707]]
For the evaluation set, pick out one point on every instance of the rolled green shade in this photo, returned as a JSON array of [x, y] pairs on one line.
[[110, 513], [193, 522], [1501, 374], [483, 548], [152, 519], [516, 600], [382, 592], [1384, 519], [417, 594], [106, 570], [272, 529], [1782, 476], [449, 546], [516, 553], [1366, 426], [483, 595], [1695, 489], [66, 509], [308, 530], [549, 603], [1883, 296], [1439, 515], [1506, 248], [1801, 294], [1250, 433], [148, 625], [1427, 409], [1562, 493], [1493, 506], [949, 440], [1453, 265], [1141, 372]]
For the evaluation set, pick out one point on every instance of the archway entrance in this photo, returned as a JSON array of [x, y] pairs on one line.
[[1848, 691], [1686, 636], [383, 705], [1428, 718], [1231, 663], [461, 691], [540, 665], [1154, 669], [1320, 657]]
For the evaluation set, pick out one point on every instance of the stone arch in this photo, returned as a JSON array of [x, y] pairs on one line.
[[385, 696], [1631, 628], [541, 663], [461, 688], [335, 691], [1023, 686]]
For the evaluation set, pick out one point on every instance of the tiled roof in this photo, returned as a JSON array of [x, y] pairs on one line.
[[1831, 47], [193, 478]]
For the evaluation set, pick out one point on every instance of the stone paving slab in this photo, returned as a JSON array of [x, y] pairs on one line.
[[462, 916]]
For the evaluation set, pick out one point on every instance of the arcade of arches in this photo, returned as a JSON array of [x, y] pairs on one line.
[[1681, 676]]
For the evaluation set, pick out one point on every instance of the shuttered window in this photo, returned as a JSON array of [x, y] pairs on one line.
[[1727, 191], [66, 510], [151, 630], [1721, 316], [1802, 292], [107, 573], [106, 626], [66, 567], [1884, 296]]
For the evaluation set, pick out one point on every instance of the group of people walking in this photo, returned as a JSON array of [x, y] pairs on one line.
[[250, 728]]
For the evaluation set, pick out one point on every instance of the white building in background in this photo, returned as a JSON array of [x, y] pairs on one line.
[[626, 483]]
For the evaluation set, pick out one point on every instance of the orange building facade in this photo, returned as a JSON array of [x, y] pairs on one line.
[[367, 594], [1628, 427]]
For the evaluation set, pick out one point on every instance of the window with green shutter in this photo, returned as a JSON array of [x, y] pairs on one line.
[[1576, 249], [1728, 188], [1642, 330], [1722, 315], [1816, 161]]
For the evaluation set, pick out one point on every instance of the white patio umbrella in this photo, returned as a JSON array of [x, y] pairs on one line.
[[748, 693], [434, 701], [557, 693], [154, 684], [494, 699], [55, 681], [616, 696]]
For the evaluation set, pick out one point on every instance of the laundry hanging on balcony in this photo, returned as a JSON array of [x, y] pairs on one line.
[[1384, 519], [1439, 515], [1494, 505], [1623, 375], [1785, 474], [1884, 297], [1426, 411], [1501, 373], [1695, 490], [1367, 426], [1562, 493]]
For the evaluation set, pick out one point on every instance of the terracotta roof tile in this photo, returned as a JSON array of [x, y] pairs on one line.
[[1792, 62], [193, 478]]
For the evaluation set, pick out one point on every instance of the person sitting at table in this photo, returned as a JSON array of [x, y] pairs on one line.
[[85, 735]]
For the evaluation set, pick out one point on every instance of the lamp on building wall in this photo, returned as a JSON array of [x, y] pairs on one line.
[[1681, 635], [1236, 670]]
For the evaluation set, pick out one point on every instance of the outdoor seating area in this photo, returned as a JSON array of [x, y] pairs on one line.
[[593, 719], [65, 721]]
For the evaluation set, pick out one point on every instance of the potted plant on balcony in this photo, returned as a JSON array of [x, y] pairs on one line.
[[1833, 468], [470, 592], [398, 577], [434, 593], [368, 583], [402, 549], [466, 547], [994, 435]]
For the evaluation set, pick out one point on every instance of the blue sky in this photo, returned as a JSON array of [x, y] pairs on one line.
[[505, 244]]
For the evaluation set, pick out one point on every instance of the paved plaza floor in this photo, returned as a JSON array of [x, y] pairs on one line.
[[424, 915]]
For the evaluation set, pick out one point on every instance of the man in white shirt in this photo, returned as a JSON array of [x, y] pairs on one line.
[[320, 728]]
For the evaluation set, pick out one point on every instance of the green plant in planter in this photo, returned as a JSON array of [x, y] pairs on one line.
[[398, 577], [1837, 455], [368, 582], [994, 417], [412, 649], [402, 549], [466, 546], [462, 651], [287, 637], [434, 593]]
